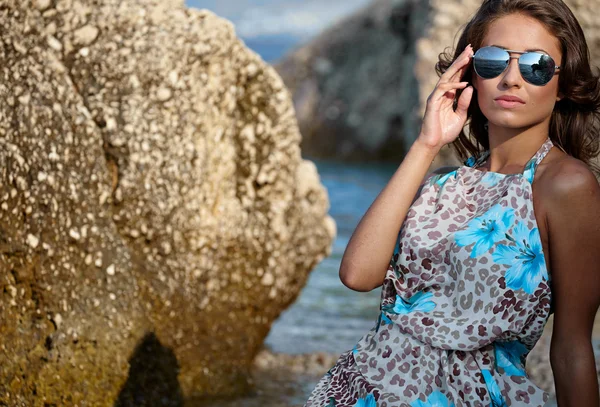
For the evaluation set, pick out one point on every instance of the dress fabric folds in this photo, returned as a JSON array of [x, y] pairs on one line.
[[465, 298]]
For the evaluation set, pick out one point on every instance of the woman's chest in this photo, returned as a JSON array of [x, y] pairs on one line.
[[475, 230]]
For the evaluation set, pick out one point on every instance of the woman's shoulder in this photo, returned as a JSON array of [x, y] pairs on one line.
[[563, 178]]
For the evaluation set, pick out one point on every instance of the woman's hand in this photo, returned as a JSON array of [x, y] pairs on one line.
[[441, 124]]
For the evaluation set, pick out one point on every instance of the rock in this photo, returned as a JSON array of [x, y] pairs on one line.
[[42, 5], [132, 268], [354, 87], [86, 35], [279, 380]]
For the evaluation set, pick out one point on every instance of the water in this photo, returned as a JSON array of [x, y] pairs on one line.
[[328, 316]]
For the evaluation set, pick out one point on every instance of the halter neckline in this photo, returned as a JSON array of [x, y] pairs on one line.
[[529, 169]]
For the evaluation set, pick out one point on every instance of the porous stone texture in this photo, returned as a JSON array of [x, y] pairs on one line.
[[448, 17], [155, 213]]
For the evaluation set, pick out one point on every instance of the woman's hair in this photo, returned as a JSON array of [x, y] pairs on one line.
[[575, 121]]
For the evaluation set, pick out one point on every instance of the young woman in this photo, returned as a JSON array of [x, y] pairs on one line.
[[485, 252]]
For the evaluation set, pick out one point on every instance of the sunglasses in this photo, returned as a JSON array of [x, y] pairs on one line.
[[536, 68]]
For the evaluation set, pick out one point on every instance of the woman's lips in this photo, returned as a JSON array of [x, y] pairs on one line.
[[509, 104]]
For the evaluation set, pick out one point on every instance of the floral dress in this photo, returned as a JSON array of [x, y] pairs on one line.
[[464, 300]]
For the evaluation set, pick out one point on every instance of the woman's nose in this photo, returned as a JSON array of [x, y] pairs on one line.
[[512, 74]]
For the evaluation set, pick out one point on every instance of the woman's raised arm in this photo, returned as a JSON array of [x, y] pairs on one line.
[[367, 256]]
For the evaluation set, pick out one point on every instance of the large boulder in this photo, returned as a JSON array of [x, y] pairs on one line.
[[155, 216]]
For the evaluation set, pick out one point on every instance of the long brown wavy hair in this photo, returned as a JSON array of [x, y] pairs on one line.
[[575, 121]]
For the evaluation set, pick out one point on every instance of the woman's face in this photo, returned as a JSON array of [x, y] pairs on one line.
[[519, 33]]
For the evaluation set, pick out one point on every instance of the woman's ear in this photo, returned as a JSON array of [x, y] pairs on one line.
[[560, 96]]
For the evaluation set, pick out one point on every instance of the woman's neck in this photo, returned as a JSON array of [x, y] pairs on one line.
[[510, 149]]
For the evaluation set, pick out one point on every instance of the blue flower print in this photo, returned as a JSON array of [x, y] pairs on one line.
[[486, 229], [470, 161], [529, 170], [525, 257], [435, 399], [491, 178], [331, 402], [383, 317], [508, 357], [440, 179], [368, 401], [493, 389], [418, 302]]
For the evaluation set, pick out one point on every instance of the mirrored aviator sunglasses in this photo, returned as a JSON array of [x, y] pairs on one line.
[[536, 68]]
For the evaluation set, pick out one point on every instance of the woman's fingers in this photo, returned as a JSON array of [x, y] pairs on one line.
[[462, 63], [459, 72], [464, 101], [462, 60], [443, 88]]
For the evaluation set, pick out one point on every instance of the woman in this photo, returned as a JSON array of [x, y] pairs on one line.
[[488, 250]]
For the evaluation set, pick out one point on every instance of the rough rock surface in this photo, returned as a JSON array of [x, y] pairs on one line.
[[155, 213], [360, 86]]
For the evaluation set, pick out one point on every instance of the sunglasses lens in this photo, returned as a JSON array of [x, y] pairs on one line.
[[490, 62], [536, 68]]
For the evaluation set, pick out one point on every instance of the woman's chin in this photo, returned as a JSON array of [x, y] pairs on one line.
[[506, 118], [509, 124]]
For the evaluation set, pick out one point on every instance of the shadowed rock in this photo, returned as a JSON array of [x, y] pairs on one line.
[[152, 379], [354, 85]]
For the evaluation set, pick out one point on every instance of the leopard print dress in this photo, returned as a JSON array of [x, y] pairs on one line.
[[465, 298]]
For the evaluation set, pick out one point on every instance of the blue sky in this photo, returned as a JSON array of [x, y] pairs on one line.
[[282, 22]]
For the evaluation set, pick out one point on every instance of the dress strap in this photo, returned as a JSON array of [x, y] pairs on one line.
[[532, 164], [476, 160], [529, 169]]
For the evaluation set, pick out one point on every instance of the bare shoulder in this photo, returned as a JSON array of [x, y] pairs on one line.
[[565, 179]]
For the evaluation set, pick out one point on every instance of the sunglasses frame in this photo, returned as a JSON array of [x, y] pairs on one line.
[[509, 51]]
